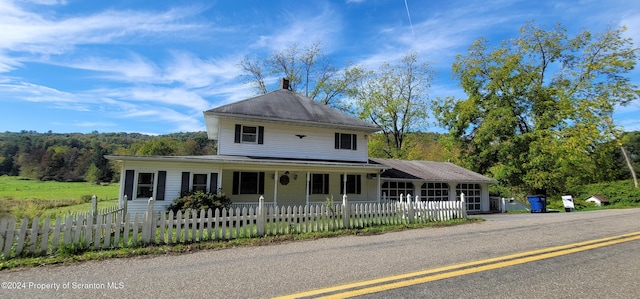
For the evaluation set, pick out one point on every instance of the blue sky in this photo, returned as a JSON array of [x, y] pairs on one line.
[[154, 66]]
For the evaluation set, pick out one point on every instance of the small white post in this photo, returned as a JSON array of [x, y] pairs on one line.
[[464, 205], [94, 207], [345, 211], [410, 208], [260, 222], [503, 205], [149, 227]]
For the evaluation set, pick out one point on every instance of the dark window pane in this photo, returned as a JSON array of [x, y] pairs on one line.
[[345, 141], [248, 183]]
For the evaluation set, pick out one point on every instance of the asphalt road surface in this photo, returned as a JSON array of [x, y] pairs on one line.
[[609, 271]]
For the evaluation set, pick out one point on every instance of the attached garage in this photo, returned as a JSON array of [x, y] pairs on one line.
[[435, 181]]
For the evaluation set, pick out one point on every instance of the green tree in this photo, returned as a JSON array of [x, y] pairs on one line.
[[539, 110], [164, 146], [93, 174], [395, 98]]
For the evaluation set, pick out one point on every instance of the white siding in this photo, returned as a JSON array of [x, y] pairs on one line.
[[280, 141], [173, 183]]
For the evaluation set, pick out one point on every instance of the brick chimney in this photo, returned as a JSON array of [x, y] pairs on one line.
[[285, 83]]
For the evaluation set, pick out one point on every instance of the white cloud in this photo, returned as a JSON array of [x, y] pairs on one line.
[[303, 27], [195, 72], [132, 69], [37, 34]]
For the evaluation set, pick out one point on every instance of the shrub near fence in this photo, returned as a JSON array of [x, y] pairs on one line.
[[115, 230]]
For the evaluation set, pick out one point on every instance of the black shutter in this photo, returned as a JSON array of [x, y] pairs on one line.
[[358, 184], [213, 183], [162, 183], [236, 182], [326, 184], [337, 142], [184, 185], [261, 183], [260, 135], [341, 184], [238, 133], [128, 183], [354, 142]]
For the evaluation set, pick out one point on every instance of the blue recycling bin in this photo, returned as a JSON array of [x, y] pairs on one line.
[[538, 203]]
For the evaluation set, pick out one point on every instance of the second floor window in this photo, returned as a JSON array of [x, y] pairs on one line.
[[346, 141], [249, 134]]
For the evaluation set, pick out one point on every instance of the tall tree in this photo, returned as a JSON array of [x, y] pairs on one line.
[[539, 107], [394, 97], [309, 71]]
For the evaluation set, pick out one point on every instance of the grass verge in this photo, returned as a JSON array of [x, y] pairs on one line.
[[71, 256]]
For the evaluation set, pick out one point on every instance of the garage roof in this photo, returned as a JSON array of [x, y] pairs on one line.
[[430, 171]]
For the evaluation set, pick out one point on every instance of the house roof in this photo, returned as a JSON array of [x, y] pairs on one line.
[[254, 161], [430, 171], [286, 105], [599, 197]]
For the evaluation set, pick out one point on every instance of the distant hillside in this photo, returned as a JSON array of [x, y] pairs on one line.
[[80, 157]]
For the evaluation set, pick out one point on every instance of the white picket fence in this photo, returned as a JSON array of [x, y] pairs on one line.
[[116, 230]]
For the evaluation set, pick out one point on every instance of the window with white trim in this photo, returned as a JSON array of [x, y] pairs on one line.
[[346, 141], [145, 185], [393, 190], [471, 195], [434, 192], [249, 134], [199, 182]]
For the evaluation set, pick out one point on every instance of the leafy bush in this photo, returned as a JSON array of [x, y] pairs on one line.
[[198, 200], [620, 192]]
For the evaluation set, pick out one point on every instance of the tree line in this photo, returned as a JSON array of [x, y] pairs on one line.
[[75, 157]]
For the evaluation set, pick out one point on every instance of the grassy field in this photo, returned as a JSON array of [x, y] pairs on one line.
[[20, 197]]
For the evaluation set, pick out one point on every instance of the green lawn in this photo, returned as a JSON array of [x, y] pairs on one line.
[[20, 197]]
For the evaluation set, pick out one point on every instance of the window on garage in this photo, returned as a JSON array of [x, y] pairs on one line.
[[393, 190], [434, 192], [471, 195]]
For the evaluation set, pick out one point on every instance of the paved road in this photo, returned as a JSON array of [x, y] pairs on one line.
[[268, 271]]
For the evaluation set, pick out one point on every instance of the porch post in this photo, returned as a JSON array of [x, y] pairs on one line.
[[344, 183], [275, 189], [379, 189], [307, 190]]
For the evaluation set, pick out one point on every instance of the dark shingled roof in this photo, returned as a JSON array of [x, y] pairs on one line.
[[286, 105], [430, 171]]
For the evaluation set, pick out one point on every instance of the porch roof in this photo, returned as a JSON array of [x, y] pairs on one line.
[[430, 171], [246, 160]]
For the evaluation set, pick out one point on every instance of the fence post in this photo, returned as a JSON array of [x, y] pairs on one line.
[[345, 211], [464, 206], [123, 204], [410, 209], [260, 221], [149, 225], [94, 208]]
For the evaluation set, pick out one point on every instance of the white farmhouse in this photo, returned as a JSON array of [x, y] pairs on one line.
[[293, 151]]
